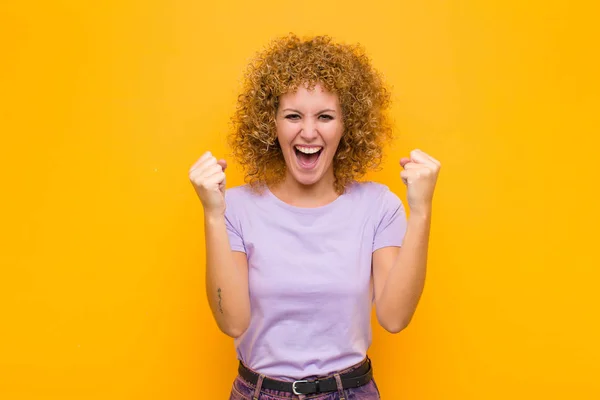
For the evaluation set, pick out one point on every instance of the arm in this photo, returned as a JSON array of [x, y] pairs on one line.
[[399, 275], [226, 279], [399, 272], [226, 271]]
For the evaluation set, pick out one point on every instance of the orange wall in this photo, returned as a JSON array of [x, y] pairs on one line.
[[105, 105]]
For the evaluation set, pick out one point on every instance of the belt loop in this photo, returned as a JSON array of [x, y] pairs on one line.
[[340, 387], [258, 387]]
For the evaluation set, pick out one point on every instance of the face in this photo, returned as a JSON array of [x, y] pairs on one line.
[[309, 128]]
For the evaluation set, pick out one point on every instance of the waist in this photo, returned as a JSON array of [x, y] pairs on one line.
[[355, 376], [290, 366], [287, 356]]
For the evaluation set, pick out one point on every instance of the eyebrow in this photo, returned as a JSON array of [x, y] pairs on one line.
[[320, 112]]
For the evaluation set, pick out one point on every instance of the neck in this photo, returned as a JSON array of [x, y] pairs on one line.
[[318, 194]]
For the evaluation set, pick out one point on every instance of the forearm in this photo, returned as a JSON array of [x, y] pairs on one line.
[[226, 281], [406, 279]]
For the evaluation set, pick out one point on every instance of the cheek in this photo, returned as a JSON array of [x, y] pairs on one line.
[[285, 133], [334, 135]]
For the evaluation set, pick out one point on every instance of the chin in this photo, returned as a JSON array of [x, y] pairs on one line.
[[307, 179]]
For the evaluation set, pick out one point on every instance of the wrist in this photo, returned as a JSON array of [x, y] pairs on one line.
[[214, 217], [422, 213]]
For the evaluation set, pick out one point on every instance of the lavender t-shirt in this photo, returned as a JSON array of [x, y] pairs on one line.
[[310, 276]]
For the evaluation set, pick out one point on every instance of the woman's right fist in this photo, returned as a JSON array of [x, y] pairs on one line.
[[208, 177]]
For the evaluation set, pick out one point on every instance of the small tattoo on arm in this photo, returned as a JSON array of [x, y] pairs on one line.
[[219, 294]]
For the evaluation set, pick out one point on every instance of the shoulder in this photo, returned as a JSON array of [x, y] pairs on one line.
[[371, 190], [236, 192], [378, 195], [244, 196], [236, 196], [242, 192]]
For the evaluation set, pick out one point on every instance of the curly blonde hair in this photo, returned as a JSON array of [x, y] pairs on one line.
[[284, 65]]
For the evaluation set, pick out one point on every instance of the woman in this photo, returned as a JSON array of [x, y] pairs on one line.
[[296, 258]]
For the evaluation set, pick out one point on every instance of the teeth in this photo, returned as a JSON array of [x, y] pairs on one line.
[[308, 150]]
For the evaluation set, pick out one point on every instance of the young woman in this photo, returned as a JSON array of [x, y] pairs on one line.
[[296, 258]]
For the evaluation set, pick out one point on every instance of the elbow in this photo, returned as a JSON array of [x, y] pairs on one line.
[[395, 325], [234, 330], [397, 328]]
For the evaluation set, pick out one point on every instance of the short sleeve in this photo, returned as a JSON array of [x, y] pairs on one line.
[[233, 223], [392, 223]]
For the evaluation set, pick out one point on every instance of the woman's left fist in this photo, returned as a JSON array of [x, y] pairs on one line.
[[420, 176]]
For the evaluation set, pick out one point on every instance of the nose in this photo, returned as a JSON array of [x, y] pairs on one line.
[[309, 131]]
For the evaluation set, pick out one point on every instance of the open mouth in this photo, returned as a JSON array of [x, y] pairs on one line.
[[308, 156]]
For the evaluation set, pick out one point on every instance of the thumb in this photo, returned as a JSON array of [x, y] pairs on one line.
[[222, 163], [404, 161]]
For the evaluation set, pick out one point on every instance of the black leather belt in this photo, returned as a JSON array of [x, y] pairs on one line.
[[352, 379]]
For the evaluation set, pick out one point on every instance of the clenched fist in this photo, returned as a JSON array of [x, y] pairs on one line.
[[208, 177], [420, 176]]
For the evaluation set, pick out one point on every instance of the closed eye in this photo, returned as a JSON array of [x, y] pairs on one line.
[[326, 116], [292, 116]]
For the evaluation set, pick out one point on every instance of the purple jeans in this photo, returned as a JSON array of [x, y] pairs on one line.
[[243, 390]]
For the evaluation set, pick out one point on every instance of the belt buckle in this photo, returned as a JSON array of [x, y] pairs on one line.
[[294, 387]]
